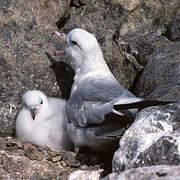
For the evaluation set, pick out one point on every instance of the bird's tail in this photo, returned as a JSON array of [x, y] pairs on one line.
[[141, 104]]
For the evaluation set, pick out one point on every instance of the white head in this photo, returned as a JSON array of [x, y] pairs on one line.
[[36, 102], [83, 50]]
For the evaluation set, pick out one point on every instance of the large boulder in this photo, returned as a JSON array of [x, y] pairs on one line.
[[153, 139]]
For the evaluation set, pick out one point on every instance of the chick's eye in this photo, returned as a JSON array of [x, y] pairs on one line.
[[41, 102], [74, 43]]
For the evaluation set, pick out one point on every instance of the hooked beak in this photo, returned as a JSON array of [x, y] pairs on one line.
[[63, 37], [33, 113]]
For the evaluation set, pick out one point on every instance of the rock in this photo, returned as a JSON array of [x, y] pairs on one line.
[[141, 47], [141, 16], [63, 164], [85, 175], [70, 159], [173, 28], [160, 78], [26, 33], [33, 154], [153, 139], [57, 158], [158, 172]]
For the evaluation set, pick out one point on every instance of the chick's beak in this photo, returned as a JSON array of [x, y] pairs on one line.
[[34, 113], [63, 37]]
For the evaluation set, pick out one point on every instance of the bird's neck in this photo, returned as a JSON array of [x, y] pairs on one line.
[[91, 64]]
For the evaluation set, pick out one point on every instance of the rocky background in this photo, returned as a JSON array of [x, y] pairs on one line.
[[140, 43]]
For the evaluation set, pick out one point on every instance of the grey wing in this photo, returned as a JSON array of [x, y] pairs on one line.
[[98, 113], [95, 99]]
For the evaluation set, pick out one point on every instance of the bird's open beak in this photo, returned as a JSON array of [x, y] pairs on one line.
[[63, 37], [34, 113]]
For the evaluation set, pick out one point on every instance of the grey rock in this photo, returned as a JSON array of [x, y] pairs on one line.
[[141, 47], [158, 172], [153, 139], [142, 17], [70, 159], [173, 28], [160, 78]]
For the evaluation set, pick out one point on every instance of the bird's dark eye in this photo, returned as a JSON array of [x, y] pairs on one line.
[[74, 43], [41, 102]]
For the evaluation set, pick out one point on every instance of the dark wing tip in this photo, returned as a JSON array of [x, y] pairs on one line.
[[141, 104]]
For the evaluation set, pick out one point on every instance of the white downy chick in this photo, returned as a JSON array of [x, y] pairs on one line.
[[42, 121]]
